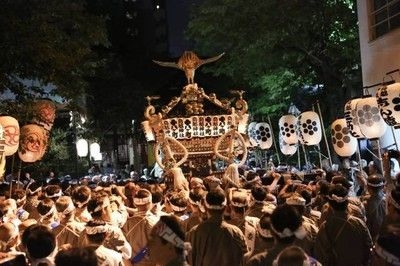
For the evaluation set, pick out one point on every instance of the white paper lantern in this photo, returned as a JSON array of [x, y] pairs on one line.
[[263, 135], [344, 143], [251, 132], [287, 149], [97, 157], [388, 99], [148, 131], [288, 128], [350, 114], [82, 147], [11, 134], [369, 118], [94, 149], [309, 128]]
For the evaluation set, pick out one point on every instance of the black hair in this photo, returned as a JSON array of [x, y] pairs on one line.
[[285, 216], [93, 204], [259, 193], [174, 224], [80, 194], [339, 191], [39, 241], [97, 238], [76, 256]]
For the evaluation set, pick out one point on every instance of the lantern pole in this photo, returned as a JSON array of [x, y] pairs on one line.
[[305, 154], [394, 138], [19, 173], [380, 155], [359, 156], [273, 139], [323, 131], [298, 158], [12, 171], [318, 146]]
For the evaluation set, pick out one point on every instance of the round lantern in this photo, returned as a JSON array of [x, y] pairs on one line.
[[11, 134], [97, 157], [33, 143], [148, 131], [309, 128], [369, 118], [264, 135], [388, 98], [350, 114], [344, 143], [82, 147], [287, 149], [288, 128], [251, 132], [44, 113], [94, 149]]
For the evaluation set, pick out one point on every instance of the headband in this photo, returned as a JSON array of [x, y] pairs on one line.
[[163, 231], [21, 199], [58, 194], [30, 192], [257, 178], [92, 230], [296, 200], [51, 211], [263, 232], [337, 198], [70, 208], [299, 233], [177, 208], [142, 201], [193, 202], [105, 204], [215, 207], [238, 204], [81, 204], [380, 184]]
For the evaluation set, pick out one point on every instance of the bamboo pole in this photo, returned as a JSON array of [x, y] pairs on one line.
[[323, 131], [273, 139]]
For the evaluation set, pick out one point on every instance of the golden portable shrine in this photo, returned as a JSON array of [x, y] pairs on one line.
[[195, 131]]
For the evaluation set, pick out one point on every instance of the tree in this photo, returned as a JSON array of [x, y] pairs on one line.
[[48, 43], [277, 47]]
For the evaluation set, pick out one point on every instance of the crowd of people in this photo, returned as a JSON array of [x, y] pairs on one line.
[[244, 217]]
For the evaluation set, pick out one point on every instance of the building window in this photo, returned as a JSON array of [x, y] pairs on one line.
[[384, 17]]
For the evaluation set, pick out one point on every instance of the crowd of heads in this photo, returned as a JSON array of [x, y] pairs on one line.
[[280, 215]]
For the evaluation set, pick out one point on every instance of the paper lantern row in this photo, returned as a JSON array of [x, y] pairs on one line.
[[260, 134], [364, 119], [305, 129]]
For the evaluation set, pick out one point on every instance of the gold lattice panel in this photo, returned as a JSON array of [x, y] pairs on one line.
[[198, 146]]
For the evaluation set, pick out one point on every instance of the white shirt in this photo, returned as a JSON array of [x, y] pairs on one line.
[[108, 257]]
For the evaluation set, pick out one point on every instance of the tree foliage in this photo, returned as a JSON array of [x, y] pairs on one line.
[[48, 42], [276, 47]]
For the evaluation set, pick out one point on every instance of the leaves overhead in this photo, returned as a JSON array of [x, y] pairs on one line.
[[277, 46], [50, 42]]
